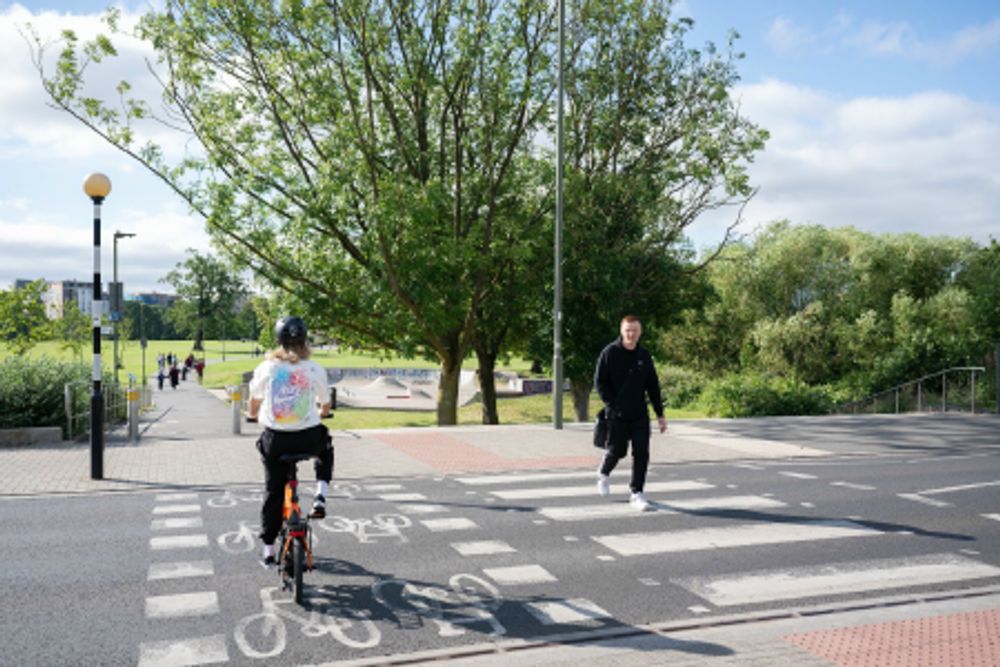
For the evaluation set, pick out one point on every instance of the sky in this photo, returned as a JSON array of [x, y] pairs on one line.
[[883, 115]]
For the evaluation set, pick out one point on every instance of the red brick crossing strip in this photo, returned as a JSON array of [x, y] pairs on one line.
[[969, 639]]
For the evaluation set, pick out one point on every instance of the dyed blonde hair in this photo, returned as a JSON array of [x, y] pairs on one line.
[[292, 355]]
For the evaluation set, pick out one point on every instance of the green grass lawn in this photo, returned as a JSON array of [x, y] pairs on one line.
[[219, 373]]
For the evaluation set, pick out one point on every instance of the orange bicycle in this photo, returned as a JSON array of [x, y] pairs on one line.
[[295, 556]]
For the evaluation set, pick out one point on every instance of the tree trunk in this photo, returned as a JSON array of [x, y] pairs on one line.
[[199, 336], [580, 388], [488, 385], [447, 399]]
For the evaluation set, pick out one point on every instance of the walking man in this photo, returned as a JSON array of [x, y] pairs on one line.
[[624, 379]]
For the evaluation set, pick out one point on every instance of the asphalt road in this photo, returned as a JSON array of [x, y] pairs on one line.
[[407, 565]]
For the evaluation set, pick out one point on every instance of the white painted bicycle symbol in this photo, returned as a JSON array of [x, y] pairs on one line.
[[264, 635], [471, 600], [368, 530]]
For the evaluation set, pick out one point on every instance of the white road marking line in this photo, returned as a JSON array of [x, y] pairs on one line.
[[400, 497], [852, 485], [175, 653], [617, 510], [443, 525], [204, 603], [649, 582], [836, 578], [571, 538], [963, 487], [176, 509], [807, 504], [180, 570], [519, 575], [178, 542], [420, 509], [995, 517], [698, 609], [176, 497], [540, 522], [177, 522], [383, 487], [576, 610], [606, 557], [916, 497], [591, 490], [482, 480], [637, 544], [483, 548], [796, 475], [748, 466]]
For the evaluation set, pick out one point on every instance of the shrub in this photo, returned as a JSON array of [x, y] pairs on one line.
[[680, 386], [32, 390], [757, 395]]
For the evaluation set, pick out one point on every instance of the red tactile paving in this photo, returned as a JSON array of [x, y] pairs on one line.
[[447, 454], [970, 639]]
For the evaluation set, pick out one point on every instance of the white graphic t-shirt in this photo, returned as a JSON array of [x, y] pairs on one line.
[[289, 394]]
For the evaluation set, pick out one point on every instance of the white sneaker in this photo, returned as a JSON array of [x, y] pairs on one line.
[[603, 486], [639, 501]]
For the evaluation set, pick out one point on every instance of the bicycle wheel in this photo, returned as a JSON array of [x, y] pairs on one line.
[[298, 565]]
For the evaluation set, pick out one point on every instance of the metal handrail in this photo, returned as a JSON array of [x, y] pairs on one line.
[[972, 370]]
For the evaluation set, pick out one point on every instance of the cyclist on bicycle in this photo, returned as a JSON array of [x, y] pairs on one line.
[[284, 393]]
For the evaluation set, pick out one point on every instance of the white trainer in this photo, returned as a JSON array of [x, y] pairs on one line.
[[603, 486], [639, 501]]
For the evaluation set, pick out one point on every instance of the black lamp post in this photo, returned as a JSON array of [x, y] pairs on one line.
[[97, 186], [116, 299]]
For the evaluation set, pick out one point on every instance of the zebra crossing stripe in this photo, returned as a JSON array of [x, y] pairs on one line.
[[916, 497], [444, 525], [177, 653], [836, 578], [560, 612], [180, 570], [796, 475], [995, 517], [419, 508], [176, 509], [519, 575], [384, 487], [203, 603], [483, 548], [482, 480], [638, 544], [176, 497], [402, 497], [176, 522], [591, 489], [619, 510], [178, 542]]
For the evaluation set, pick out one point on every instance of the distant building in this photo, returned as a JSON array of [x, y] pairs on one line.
[[155, 299], [62, 292]]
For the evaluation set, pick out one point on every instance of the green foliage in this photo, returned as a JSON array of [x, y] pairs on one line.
[[32, 391], [755, 394], [74, 329], [681, 387], [208, 289], [22, 317]]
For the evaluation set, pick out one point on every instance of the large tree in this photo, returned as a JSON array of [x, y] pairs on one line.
[[654, 139], [358, 154], [22, 317], [208, 289]]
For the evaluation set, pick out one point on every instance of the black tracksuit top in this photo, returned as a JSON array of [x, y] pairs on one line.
[[615, 366]]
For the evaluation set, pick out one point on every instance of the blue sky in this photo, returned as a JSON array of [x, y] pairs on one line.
[[883, 115]]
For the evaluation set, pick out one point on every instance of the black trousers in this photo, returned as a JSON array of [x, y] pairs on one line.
[[620, 433], [272, 445]]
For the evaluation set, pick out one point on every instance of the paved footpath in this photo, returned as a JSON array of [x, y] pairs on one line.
[[187, 443]]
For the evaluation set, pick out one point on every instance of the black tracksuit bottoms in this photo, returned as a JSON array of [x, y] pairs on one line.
[[272, 445], [620, 433]]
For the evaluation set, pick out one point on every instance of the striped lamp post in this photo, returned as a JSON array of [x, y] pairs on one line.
[[97, 186]]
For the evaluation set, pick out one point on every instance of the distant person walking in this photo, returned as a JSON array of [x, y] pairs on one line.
[[160, 377], [174, 376], [624, 378]]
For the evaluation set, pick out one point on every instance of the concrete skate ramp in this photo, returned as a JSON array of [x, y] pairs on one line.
[[399, 392]]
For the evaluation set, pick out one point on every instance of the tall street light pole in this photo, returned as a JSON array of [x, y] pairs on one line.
[[557, 359], [97, 186], [116, 300]]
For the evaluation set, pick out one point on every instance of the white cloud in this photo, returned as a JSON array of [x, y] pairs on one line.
[[785, 36], [28, 122], [37, 247], [923, 163]]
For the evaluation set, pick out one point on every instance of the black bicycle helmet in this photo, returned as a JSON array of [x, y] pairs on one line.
[[290, 331]]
